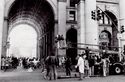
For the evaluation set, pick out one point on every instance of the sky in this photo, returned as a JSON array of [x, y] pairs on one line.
[[23, 41]]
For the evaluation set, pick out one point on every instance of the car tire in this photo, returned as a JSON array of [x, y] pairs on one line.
[[118, 70]]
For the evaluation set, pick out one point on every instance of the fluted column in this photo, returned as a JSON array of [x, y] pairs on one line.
[[90, 24], [121, 23], [122, 19]]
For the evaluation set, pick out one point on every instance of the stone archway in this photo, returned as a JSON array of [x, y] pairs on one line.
[[109, 22], [40, 15], [114, 26], [9, 4]]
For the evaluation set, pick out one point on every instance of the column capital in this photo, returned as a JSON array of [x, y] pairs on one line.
[[62, 0]]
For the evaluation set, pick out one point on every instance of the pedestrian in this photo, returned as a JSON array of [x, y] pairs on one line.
[[52, 62], [87, 52], [47, 67], [104, 66], [107, 66], [86, 67], [3, 63], [68, 66], [6, 63], [87, 62], [80, 65], [91, 66]]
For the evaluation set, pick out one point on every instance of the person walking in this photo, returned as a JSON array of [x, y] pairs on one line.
[[104, 66], [47, 67], [68, 66], [86, 68], [87, 62], [52, 62], [3, 63], [80, 66]]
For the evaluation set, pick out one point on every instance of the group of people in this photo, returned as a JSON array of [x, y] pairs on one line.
[[33, 63], [14, 62], [89, 65], [9, 63]]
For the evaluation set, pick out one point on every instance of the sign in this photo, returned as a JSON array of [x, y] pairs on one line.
[[103, 37]]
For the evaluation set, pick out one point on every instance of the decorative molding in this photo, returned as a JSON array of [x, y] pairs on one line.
[[68, 22], [107, 2], [71, 22], [62, 0]]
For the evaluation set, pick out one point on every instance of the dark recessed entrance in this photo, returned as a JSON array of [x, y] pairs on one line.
[[71, 39]]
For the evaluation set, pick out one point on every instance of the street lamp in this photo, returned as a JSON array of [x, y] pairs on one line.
[[59, 39]]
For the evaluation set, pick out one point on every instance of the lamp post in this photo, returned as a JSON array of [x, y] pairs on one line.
[[59, 42]]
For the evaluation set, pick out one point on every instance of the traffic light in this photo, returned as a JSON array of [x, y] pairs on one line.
[[99, 15], [93, 15], [122, 29]]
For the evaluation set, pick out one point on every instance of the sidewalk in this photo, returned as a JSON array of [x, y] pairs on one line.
[[37, 76], [20, 71]]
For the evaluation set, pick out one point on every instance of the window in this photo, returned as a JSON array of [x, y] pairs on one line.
[[72, 16], [105, 20], [72, 3]]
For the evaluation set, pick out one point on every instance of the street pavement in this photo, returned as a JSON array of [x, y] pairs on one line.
[[20, 75]]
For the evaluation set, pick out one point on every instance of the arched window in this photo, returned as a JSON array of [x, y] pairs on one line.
[[105, 20]]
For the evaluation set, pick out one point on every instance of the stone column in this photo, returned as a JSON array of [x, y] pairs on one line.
[[121, 23], [62, 22], [5, 36], [1, 25], [90, 24], [81, 23], [62, 17], [122, 19], [38, 47]]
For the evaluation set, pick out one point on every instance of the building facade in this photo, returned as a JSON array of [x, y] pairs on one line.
[[70, 18]]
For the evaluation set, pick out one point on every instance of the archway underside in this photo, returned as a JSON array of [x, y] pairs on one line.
[[39, 14]]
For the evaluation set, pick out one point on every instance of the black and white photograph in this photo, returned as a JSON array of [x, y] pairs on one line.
[[62, 40]]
